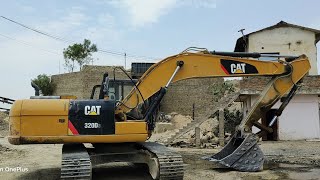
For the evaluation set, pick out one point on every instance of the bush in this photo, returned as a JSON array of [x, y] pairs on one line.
[[221, 89], [232, 120], [45, 84]]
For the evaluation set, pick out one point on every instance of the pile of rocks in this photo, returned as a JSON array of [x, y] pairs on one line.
[[4, 124], [174, 121]]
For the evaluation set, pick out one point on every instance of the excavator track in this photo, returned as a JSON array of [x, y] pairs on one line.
[[171, 165], [76, 162]]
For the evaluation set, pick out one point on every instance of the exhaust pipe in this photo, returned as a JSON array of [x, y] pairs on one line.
[[36, 89], [104, 88]]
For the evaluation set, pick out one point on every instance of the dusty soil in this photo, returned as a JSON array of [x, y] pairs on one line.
[[285, 160]]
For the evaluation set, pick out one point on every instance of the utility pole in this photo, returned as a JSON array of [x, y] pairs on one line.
[[193, 108], [197, 129], [197, 137], [221, 127], [243, 37], [241, 30], [125, 60]]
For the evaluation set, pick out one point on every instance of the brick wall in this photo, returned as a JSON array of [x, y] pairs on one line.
[[92, 75], [183, 94], [68, 84], [180, 97], [81, 83]]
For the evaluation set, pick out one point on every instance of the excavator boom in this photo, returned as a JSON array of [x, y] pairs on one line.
[[201, 64]]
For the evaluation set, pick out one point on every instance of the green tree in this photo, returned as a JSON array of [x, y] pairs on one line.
[[231, 120], [221, 89], [79, 53], [45, 84]]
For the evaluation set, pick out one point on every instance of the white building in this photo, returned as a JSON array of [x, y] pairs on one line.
[[300, 120]]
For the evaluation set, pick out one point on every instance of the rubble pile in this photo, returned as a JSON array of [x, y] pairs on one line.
[[208, 136], [208, 129], [163, 131], [179, 120], [4, 124]]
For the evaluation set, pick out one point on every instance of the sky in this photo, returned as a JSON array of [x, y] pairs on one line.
[[146, 30]]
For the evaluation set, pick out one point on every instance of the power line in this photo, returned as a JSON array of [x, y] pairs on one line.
[[35, 30], [26, 43], [68, 41]]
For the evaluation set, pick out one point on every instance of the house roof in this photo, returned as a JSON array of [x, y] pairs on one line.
[[255, 85], [240, 44]]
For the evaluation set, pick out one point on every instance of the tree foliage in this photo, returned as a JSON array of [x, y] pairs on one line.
[[231, 120], [221, 89], [45, 84], [79, 53]]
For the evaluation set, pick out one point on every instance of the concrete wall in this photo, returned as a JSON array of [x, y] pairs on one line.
[[287, 41], [300, 120], [300, 123]]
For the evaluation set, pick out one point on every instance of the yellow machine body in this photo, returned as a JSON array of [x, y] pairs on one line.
[[46, 121]]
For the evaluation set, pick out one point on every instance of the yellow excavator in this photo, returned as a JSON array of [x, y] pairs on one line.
[[117, 131]]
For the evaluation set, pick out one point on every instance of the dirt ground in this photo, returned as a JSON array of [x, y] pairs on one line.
[[285, 160]]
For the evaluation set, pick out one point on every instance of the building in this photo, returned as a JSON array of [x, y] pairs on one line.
[[300, 120], [285, 39]]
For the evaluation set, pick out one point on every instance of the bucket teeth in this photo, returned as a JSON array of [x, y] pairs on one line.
[[242, 154]]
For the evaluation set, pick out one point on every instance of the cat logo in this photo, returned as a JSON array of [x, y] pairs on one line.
[[92, 110], [238, 68]]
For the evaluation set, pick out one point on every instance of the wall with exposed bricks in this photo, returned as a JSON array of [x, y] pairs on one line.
[[180, 97]]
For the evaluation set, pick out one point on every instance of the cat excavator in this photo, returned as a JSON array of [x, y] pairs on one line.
[[96, 131]]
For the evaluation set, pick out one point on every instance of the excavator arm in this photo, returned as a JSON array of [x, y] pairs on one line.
[[242, 152], [197, 65]]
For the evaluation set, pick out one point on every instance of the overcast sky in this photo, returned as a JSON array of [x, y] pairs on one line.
[[148, 28]]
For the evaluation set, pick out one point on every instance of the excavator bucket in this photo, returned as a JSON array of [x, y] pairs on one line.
[[242, 154]]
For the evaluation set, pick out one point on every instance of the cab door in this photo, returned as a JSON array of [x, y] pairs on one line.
[[91, 117]]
